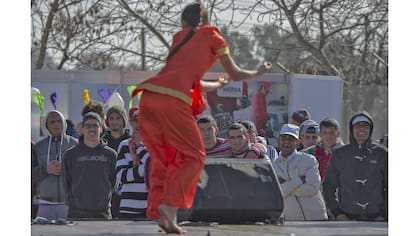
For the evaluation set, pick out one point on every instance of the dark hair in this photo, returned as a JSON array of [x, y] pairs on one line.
[[207, 119], [94, 106], [69, 123], [249, 125], [195, 15], [301, 115], [329, 122], [237, 126]]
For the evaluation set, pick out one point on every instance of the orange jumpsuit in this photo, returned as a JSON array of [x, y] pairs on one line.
[[167, 124]]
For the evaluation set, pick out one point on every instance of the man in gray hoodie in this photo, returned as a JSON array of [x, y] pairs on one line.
[[46, 168], [358, 172]]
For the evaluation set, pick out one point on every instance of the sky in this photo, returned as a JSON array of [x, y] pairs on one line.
[[15, 102]]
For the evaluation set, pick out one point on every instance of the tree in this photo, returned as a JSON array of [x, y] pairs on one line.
[[347, 38], [332, 37], [239, 47], [336, 37], [94, 33]]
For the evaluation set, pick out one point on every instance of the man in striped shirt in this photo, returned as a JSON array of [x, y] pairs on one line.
[[215, 146], [130, 169], [254, 138], [238, 138]]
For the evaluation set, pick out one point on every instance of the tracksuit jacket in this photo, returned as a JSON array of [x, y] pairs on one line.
[[360, 173]]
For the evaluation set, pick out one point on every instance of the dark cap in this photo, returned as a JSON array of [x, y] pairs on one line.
[[91, 115], [309, 127]]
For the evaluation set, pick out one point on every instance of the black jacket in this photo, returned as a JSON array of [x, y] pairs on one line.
[[360, 172], [112, 142], [89, 176]]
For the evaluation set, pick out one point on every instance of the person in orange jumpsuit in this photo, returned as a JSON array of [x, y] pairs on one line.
[[259, 104], [167, 115]]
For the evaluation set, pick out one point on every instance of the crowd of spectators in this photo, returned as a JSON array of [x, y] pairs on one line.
[[104, 172]]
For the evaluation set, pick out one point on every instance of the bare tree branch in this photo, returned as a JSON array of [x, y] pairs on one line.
[[46, 34], [144, 21]]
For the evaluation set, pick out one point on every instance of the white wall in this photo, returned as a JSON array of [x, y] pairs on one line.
[[321, 95]]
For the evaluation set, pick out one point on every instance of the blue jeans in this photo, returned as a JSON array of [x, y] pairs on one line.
[[52, 211]]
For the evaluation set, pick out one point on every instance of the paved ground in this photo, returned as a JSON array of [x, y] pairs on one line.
[[147, 228]]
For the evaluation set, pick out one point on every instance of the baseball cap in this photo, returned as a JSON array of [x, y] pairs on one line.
[[133, 113], [290, 129], [361, 118], [309, 127], [91, 115]]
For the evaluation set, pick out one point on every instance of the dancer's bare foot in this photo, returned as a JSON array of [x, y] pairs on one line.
[[168, 214], [163, 223]]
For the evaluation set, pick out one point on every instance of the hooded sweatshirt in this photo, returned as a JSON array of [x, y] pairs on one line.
[[89, 176], [360, 172], [50, 187]]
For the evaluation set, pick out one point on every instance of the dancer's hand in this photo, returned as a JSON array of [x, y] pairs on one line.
[[210, 85], [223, 81], [264, 67]]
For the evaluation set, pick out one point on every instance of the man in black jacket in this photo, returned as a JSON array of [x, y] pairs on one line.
[[359, 171], [88, 170]]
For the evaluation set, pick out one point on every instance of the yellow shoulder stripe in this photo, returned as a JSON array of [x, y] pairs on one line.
[[167, 91], [222, 51]]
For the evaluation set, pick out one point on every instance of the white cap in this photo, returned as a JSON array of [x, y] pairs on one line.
[[361, 118], [290, 129]]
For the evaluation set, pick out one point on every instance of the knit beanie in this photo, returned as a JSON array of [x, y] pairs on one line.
[[118, 110]]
